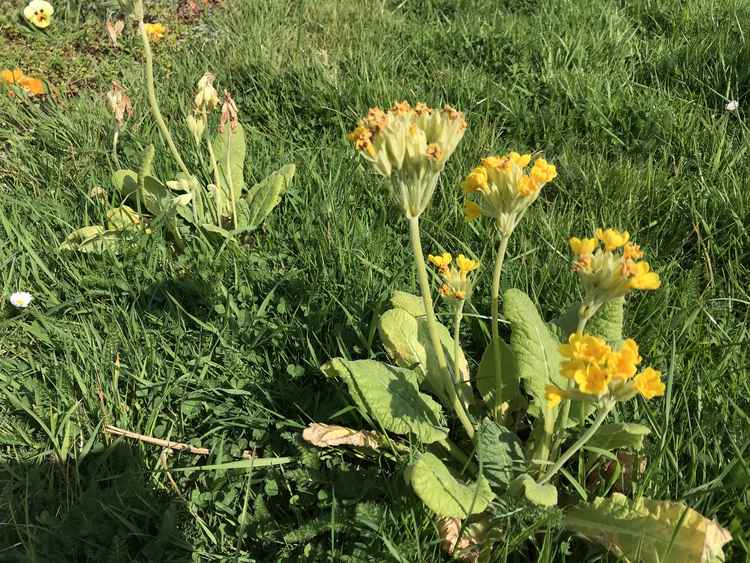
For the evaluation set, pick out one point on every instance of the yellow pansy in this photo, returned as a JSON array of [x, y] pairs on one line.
[[649, 384], [612, 239], [39, 13], [583, 246]]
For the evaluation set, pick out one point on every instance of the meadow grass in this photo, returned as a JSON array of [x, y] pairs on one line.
[[222, 347]]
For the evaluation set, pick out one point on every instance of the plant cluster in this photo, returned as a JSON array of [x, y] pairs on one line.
[[538, 399]]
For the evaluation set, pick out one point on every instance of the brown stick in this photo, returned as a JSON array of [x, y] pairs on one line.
[[176, 446]]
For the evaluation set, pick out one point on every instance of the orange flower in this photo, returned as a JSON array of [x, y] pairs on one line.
[[16, 77]]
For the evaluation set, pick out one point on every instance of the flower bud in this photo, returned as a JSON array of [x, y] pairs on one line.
[[196, 126], [207, 98]]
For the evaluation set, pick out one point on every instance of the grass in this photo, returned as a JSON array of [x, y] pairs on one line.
[[222, 348]]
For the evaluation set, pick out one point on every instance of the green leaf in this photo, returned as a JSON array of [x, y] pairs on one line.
[[407, 341], [157, 198], [263, 197], [412, 304], [618, 436], [399, 332], [436, 486], [95, 239], [535, 347], [540, 495], [122, 218], [649, 531], [390, 395], [510, 392], [125, 181], [229, 149], [501, 454], [606, 323]]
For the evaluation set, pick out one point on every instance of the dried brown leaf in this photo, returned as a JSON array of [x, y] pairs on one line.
[[330, 435]]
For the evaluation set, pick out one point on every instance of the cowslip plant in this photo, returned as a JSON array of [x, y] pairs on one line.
[[211, 199], [538, 399]]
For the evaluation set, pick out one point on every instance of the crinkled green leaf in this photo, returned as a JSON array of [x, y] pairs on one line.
[[95, 239], [437, 487], [501, 454], [414, 350], [510, 392], [535, 347], [229, 149], [412, 304], [619, 435], [649, 531], [121, 218], [263, 197], [399, 332], [540, 495], [125, 181], [390, 395]]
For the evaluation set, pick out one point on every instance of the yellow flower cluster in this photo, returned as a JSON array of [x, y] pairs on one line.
[[598, 370], [607, 273], [155, 31], [457, 284], [506, 190], [410, 145], [16, 77]]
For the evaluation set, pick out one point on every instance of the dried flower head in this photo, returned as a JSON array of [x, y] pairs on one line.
[[114, 30], [39, 13], [612, 269], [228, 113], [206, 98], [119, 103], [409, 145], [505, 189]]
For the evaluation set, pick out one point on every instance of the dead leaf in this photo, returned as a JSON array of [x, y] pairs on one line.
[[329, 435], [114, 30], [469, 546]]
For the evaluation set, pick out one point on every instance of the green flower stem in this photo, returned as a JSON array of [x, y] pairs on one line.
[[424, 282], [230, 181], [215, 168], [457, 318], [151, 90], [496, 274], [459, 456], [585, 437], [115, 139]]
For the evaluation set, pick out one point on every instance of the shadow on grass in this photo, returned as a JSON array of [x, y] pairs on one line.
[[100, 509]]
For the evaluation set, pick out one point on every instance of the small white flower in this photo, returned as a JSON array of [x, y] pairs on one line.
[[733, 105], [21, 299]]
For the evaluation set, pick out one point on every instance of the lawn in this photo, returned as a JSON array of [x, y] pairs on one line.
[[220, 346]]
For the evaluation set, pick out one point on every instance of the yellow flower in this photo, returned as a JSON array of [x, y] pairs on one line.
[[505, 189], [649, 384], [155, 31], [612, 239], [622, 364], [476, 181], [593, 380], [553, 395], [16, 77], [471, 210], [585, 347], [643, 277], [39, 13], [521, 160], [465, 264], [543, 171], [632, 251], [583, 247], [409, 145], [457, 284], [440, 262]]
